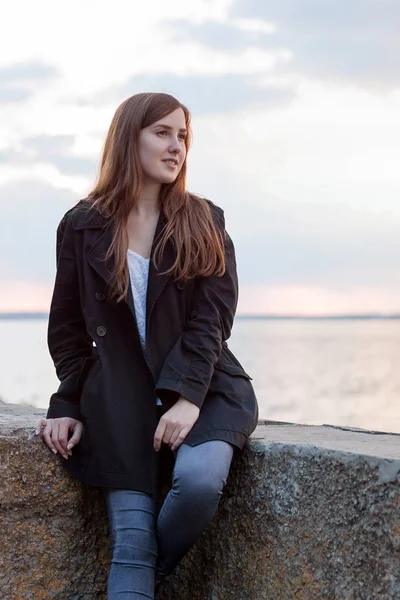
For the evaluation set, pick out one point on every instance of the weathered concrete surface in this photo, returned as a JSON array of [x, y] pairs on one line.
[[307, 513], [54, 536]]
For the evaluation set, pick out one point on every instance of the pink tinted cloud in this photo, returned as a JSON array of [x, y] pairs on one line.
[[21, 296], [311, 300], [259, 299]]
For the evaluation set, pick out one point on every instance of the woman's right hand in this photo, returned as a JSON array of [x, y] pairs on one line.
[[55, 433]]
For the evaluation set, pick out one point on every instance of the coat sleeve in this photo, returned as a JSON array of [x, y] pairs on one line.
[[189, 366], [68, 341]]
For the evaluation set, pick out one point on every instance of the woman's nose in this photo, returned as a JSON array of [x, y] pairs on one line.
[[175, 146]]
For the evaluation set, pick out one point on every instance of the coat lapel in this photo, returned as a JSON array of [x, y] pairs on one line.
[[102, 237], [157, 278]]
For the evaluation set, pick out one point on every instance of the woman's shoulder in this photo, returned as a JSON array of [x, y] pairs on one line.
[[82, 215], [218, 214], [214, 207], [200, 198], [216, 211]]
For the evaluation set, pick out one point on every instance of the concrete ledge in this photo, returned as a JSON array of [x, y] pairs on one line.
[[308, 512]]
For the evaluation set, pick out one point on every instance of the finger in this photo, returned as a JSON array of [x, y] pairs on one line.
[[159, 434], [170, 429], [47, 437], [39, 424], [76, 436], [55, 434], [181, 438], [175, 435], [63, 436]]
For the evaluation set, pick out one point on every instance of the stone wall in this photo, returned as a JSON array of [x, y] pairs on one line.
[[307, 513]]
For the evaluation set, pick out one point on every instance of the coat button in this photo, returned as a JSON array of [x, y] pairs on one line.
[[101, 330], [100, 296]]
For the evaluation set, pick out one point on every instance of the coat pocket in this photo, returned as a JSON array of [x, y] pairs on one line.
[[232, 368], [90, 389], [87, 366]]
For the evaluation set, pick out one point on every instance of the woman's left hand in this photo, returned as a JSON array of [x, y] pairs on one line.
[[175, 424]]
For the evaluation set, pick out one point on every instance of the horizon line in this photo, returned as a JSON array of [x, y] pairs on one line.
[[4, 315]]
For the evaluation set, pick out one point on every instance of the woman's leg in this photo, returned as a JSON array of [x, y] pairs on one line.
[[199, 476], [132, 517]]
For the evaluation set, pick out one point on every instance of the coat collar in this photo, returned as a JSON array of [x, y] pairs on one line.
[[100, 240]]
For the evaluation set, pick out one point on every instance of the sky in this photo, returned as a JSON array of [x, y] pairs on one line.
[[296, 122]]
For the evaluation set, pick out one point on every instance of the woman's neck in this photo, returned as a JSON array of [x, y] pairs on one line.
[[148, 202]]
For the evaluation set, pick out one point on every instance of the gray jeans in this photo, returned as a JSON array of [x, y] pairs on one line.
[[148, 544]]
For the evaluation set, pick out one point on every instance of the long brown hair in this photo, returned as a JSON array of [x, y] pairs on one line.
[[198, 243]]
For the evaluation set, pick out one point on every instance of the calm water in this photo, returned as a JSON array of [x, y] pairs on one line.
[[315, 372]]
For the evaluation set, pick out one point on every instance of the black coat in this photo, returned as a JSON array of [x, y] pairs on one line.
[[109, 384]]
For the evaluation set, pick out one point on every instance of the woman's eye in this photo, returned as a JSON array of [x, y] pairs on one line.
[[182, 135]]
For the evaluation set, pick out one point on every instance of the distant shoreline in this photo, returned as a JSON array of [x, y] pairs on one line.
[[24, 316]]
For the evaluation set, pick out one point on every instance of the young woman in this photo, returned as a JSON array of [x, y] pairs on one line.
[[143, 303]]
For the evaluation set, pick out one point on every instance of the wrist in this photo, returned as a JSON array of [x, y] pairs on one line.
[[183, 400]]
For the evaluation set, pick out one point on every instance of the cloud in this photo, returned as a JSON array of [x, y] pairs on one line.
[[220, 35], [21, 296], [309, 244], [300, 257], [18, 81], [30, 213], [356, 41], [279, 242], [318, 300], [51, 149], [204, 95]]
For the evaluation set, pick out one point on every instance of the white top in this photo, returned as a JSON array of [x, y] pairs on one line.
[[139, 275]]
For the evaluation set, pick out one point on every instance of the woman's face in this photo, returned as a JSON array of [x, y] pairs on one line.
[[162, 149]]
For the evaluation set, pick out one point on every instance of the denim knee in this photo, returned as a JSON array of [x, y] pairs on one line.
[[140, 550], [199, 480]]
